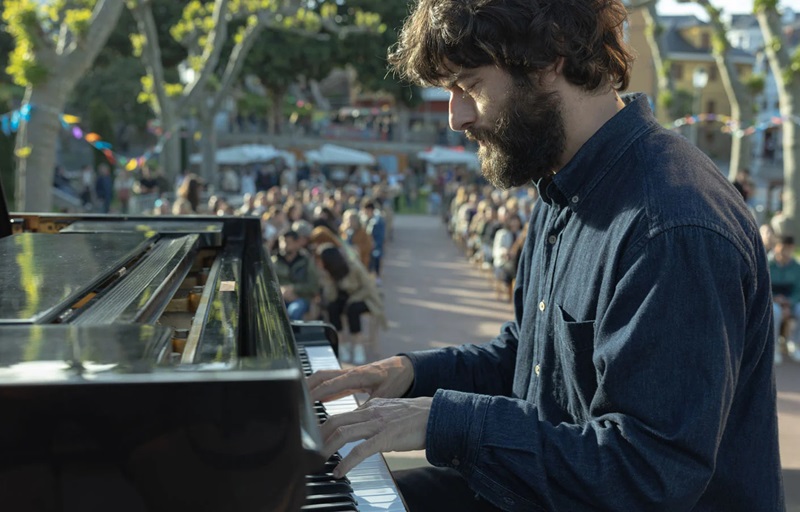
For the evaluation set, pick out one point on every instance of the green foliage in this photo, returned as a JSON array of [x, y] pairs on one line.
[[719, 43], [251, 103], [678, 103], [763, 5], [665, 100], [35, 26], [7, 160], [755, 83], [366, 52], [279, 57], [114, 79]]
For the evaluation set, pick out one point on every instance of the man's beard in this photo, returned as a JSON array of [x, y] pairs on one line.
[[527, 141]]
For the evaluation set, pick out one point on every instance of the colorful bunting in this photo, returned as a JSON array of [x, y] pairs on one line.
[[10, 121]]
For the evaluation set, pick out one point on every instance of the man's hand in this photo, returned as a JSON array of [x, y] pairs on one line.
[[388, 378], [385, 424]]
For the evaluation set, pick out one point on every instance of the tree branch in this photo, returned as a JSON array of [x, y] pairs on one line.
[[104, 19], [235, 63], [151, 53], [210, 57]]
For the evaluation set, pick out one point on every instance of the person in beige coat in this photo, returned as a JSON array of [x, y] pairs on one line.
[[354, 234], [348, 290]]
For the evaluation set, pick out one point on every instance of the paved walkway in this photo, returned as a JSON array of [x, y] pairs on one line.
[[434, 298]]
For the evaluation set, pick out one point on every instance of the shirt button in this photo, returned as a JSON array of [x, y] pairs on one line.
[[575, 199], [508, 500], [456, 462], [537, 370], [541, 306], [552, 239]]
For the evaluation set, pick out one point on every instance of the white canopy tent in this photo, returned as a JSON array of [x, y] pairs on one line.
[[247, 154], [330, 154], [439, 155]]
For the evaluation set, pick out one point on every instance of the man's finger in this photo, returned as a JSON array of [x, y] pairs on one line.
[[344, 434], [320, 376], [359, 452], [344, 384], [338, 421]]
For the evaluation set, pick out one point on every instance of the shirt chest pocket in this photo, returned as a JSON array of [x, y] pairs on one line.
[[574, 350]]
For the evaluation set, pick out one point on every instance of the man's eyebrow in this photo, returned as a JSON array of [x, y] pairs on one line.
[[462, 74]]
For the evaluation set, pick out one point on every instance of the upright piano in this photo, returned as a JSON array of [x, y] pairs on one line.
[[148, 364]]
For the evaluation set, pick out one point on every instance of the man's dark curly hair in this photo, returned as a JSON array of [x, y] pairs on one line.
[[520, 36]]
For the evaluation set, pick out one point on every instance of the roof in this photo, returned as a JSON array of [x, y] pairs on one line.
[[674, 42], [743, 21]]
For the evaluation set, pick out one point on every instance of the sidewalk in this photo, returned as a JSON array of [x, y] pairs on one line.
[[435, 298]]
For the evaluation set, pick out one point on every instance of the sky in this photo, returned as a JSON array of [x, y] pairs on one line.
[[731, 6]]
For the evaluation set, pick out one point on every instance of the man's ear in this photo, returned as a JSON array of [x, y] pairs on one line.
[[554, 70]]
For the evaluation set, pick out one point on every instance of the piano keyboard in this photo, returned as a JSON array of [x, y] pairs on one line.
[[372, 485]]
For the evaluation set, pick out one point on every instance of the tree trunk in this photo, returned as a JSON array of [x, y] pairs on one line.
[[741, 147], [170, 158], [789, 94], [34, 188], [275, 115], [665, 108], [739, 97], [208, 168], [791, 178]]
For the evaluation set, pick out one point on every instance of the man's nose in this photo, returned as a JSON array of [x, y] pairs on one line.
[[462, 111]]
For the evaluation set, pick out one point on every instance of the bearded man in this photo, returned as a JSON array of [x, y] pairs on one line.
[[637, 372]]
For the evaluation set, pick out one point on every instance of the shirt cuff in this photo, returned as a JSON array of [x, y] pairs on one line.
[[426, 369], [455, 425]]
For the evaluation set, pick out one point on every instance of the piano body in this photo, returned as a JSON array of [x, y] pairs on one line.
[[147, 364]]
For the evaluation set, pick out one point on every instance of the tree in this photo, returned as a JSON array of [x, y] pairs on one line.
[[786, 69], [367, 55], [203, 30], [282, 57], [739, 94], [54, 46], [115, 77], [667, 102], [8, 93]]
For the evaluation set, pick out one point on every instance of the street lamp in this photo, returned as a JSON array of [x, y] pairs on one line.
[[699, 81]]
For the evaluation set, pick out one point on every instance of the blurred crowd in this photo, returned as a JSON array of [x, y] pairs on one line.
[[490, 225]]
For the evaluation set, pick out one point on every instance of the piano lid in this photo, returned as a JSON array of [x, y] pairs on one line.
[[66, 354], [43, 354], [209, 231], [42, 274]]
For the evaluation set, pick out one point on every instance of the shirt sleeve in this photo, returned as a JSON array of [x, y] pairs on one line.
[[488, 368], [667, 352]]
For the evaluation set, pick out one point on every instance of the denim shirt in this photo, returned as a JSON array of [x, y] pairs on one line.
[[637, 374]]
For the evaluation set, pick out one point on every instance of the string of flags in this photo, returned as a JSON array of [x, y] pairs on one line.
[[10, 121], [731, 126]]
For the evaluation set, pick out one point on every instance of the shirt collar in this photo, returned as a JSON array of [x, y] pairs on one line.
[[573, 182]]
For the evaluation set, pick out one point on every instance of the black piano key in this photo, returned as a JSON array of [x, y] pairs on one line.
[[330, 487], [322, 477], [330, 498]]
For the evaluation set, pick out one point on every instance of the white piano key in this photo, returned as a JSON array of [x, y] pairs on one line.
[[373, 486]]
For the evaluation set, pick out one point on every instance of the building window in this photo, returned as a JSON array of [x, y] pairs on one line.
[[677, 71], [705, 40], [711, 107], [712, 73]]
